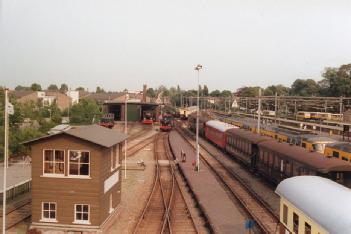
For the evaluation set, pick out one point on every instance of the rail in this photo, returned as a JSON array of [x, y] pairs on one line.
[[250, 201]]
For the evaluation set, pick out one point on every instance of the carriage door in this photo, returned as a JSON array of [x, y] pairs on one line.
[[339, 177]]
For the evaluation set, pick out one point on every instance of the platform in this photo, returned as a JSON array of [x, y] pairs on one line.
[[221, 211], [16, 174]]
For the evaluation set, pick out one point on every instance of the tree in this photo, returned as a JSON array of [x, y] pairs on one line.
[[281, 90], [337, 81], [53, 87], [80, 89], [35, 87], [226, 93], [64, 88], [151, 92], [307, 87], [247, 91], [22, 88], [85, 112], [100, 90], [205, 91], [215, 93]]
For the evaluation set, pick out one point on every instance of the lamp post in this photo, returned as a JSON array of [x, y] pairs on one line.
[[126, 132], [197, 167]]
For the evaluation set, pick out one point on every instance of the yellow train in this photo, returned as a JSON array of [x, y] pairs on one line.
[[316, 143], [318, 116], [340, 150], [301, 211]]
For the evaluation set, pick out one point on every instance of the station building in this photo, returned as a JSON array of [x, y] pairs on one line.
[[76, 183], [135, 109]]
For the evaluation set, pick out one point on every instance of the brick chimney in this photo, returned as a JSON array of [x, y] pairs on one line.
[[144, 93]]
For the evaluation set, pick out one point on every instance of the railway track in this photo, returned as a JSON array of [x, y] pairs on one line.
[[267, 220], [17, 213], [166, 210]]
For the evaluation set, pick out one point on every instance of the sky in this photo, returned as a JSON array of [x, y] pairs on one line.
[[123, 44]]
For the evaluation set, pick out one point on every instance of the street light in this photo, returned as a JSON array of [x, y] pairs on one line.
[[126, 132], [197, 167]]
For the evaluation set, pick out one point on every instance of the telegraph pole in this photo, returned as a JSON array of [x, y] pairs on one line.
[[197, 168], [259, 112], [6, 146]]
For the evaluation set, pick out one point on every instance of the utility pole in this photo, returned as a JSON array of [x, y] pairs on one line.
[[6, 146], [259, 112], [126, 132], [197, 168], [275, 107]]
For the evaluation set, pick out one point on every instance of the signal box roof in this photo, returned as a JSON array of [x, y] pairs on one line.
[[92, 133]]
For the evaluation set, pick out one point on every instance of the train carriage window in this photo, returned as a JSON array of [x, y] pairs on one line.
[[345, 159], [335, 154], [295, 223], [285, 214], [307, 228]]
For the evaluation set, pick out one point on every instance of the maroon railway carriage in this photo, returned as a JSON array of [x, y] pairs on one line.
[[243, 145], [278, 161], [215, 131]]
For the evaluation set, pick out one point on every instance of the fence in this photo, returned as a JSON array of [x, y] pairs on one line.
[[17, 189]]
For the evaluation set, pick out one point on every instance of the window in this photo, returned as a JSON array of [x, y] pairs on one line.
[[335, 154], [285, 214], [82, 214], [345, 159], [114, 157], [111, 204], [48, 211], [307, 228], [304, 145], [79, 163], [54, 162], [295, 223]]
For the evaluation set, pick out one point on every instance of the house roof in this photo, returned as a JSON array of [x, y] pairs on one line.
[[102, 96], [23, 93], [92, 133], [330, 209]]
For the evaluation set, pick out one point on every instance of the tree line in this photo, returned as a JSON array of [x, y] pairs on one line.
[[335, 82], [32, 119]]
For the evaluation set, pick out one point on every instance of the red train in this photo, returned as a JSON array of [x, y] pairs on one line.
[[147, 117], [215, 131]]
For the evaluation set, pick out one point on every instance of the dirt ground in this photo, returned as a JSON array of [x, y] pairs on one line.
[[135, 192]]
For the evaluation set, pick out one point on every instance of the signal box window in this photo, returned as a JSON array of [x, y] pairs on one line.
[[307, 228], [54, 162], [48, 211], [295, 223], [82, 214], [79, 163]]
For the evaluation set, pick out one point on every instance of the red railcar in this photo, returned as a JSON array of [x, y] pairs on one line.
[[147, 117], [215, 131]]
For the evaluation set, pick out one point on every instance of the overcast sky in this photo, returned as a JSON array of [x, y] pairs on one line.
[[122, 44]]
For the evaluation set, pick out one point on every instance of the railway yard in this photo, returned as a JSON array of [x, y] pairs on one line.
[[163, 193]]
